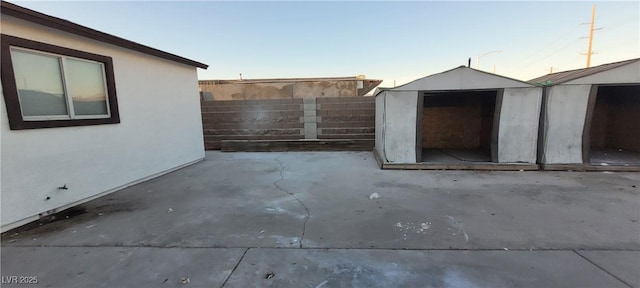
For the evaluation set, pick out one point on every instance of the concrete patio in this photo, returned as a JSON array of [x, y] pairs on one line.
[[334, 219]]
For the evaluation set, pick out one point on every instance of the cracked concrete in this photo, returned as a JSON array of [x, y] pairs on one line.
[[226, 222], [304, 225]]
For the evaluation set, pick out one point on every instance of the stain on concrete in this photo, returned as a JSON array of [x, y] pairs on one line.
[[456, 224], [78, 215]]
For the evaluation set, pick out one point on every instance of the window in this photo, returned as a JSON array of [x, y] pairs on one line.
[[50, 86]]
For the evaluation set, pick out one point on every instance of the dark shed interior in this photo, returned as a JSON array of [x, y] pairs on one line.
[[614, 135], [457, 126]]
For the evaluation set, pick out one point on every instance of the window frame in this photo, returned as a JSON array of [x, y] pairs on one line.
[[10, 91]]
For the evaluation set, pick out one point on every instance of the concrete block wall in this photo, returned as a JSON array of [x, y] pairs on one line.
[[346, 118], [288, 119], [276, 119]]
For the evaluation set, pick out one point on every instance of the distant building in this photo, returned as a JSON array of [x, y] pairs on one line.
[[246, 89]]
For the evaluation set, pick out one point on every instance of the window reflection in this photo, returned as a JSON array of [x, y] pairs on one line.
[[86, 86], [39, 83]]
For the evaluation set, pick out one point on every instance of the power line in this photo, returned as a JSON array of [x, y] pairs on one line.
[[546, 45], [528, 65]]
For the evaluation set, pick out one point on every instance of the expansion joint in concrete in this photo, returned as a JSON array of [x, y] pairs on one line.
[[275, 184], [235, 267], [599, 267]]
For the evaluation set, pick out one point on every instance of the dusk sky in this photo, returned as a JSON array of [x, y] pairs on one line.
[[399, 41]]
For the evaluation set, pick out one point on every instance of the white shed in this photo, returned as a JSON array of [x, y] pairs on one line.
[[591, 118], [85, 113], [458, 119]]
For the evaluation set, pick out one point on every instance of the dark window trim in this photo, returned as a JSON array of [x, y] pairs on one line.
[[10, 90]]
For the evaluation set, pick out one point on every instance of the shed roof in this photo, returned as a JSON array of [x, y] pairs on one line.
[[566, 76], [460, 78], [20, 12]]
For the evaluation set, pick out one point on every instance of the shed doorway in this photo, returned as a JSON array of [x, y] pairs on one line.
[[614, 134], [457, 126]]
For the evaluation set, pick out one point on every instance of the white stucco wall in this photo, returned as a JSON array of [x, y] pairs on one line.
[[400, 126], [160, 130], [566, 109], [519, 121], [380, 111]]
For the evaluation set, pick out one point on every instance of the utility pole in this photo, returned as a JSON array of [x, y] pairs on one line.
[[593, 20]]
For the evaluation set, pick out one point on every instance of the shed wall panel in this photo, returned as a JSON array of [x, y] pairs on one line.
[[566, 109], [400, 126], [518, 132], [380, 121]]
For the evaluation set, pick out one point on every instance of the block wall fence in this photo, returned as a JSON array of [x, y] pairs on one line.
[[288, 119]]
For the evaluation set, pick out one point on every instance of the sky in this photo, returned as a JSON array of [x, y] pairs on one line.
[[392, 41]]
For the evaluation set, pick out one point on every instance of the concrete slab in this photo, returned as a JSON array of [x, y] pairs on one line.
[[215, 203], [118, 266], [340, 200], [624, 265], [386, 268], [254, 200]]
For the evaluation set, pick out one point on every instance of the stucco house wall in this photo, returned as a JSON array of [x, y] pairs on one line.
[[160, 130]]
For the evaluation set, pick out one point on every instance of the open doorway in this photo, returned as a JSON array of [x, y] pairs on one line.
[[614, 134], [457, 126]]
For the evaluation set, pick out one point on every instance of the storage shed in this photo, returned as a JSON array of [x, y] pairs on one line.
[[85, 113], [591, 118], [458, 119]]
